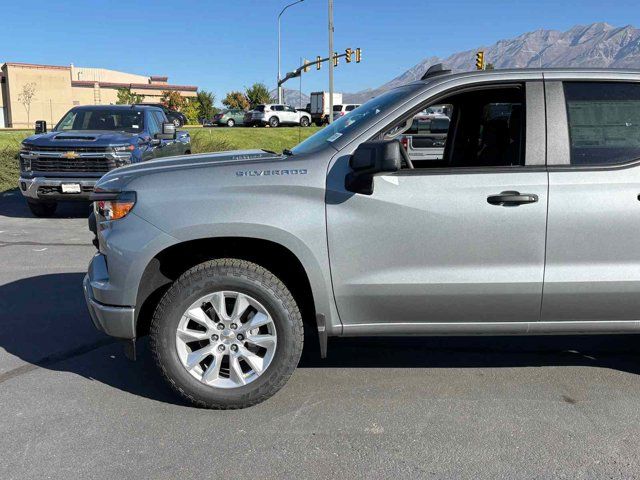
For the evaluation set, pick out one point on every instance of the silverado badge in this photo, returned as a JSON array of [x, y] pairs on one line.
[[70, 155]]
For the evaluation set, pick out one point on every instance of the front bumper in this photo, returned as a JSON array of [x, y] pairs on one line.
[[115, 321], [46, 188]]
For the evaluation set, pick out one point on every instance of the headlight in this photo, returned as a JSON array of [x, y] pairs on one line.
[[25, 164], [113, 206]]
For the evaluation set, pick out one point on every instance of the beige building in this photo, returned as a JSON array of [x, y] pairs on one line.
[[56, 89]]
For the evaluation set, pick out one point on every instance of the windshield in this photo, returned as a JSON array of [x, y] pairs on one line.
[[103, 119], [346, 124]]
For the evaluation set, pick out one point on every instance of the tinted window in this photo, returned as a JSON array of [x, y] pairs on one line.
[[260, 108], [154, 128], [604, 122], [102, 119], [486, 129], [351, 107], [160, 118], [369, 112], [278, 108]]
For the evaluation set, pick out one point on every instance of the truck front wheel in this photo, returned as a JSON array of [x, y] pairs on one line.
[[42, 209], [227, 334]]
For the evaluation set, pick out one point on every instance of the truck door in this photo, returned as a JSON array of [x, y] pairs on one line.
[[462, 243], [593, 254]]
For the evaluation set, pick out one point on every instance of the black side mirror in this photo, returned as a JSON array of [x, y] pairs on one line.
[[41, 126], [371, 159], [168, 131]]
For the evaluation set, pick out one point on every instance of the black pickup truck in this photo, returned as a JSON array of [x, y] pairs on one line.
[[65, 163]]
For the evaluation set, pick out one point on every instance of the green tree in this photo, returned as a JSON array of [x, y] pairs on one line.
[[236, 100], [127, 97], [258, 93], [191, 110], [205, 102], [173, 100]]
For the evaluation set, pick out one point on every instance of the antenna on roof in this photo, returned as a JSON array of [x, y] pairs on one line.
[[435, 70]]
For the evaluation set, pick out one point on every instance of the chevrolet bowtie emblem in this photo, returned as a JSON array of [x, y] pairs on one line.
[[70, 155]]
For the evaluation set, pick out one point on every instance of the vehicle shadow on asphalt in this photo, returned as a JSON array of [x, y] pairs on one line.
[[44, 322], [12, 204]]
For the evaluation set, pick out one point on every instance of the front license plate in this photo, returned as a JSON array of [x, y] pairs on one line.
[[71, 188]]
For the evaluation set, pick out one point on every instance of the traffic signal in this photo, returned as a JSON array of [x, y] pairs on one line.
[[318, 62], [480, 60], [335, 59], [347, 55], [306, 66], [358, 55]]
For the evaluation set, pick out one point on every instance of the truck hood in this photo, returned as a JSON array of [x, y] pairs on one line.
[[118, 178], [80, 138]]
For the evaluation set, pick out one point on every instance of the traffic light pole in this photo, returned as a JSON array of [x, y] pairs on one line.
[[330, 63]]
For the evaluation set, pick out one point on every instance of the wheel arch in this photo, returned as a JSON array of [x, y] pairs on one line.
[[296, 270]]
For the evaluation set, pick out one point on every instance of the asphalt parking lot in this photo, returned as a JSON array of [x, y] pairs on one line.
[[73, 407]]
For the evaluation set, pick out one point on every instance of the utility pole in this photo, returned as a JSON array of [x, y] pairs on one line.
[[331, 62]]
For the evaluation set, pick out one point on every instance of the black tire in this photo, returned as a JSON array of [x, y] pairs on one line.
[[274, 122], [318, 123], [231, 122], [304, 122], [245, 277], [42, 209]]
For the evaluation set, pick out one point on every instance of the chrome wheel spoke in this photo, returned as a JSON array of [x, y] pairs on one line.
[[198, 315], [255, 361], [265, 341], [236, 373], [212, 372], [258, 320], [189, 335], [195, 357], [218, 302], [241, 305]]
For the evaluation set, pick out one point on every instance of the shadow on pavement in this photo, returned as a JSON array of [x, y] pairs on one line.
[[12, 204], [43, 321]]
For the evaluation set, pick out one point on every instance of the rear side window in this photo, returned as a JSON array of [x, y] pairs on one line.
[[604, 122]]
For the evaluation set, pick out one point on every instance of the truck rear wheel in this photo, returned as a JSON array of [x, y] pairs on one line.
[[42, 209], [227, 334]]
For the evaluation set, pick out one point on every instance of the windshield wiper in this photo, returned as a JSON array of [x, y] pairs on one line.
[[287, 152], [269, 151]]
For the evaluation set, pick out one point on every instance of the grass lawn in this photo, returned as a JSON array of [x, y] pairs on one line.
[[202, 139]]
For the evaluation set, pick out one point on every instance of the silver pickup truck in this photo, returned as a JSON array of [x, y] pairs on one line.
[[529, 225]]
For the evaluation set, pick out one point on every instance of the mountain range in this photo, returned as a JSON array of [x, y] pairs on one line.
[[596, 45]]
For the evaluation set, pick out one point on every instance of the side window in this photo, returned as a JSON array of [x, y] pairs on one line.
[[604, 122], [160, 118], [278, 108], [291, 109], [154, 128], [480, 128]]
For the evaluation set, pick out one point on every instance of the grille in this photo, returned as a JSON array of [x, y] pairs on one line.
[[70, 149], [88, 165], [47, 190]]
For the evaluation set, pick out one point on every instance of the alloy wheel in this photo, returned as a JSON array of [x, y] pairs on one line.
[[226, 339]]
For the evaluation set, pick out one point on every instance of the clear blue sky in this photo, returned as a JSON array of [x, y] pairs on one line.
[[221, 45]]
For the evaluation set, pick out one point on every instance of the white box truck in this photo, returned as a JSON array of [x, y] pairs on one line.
[[320, 106]]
